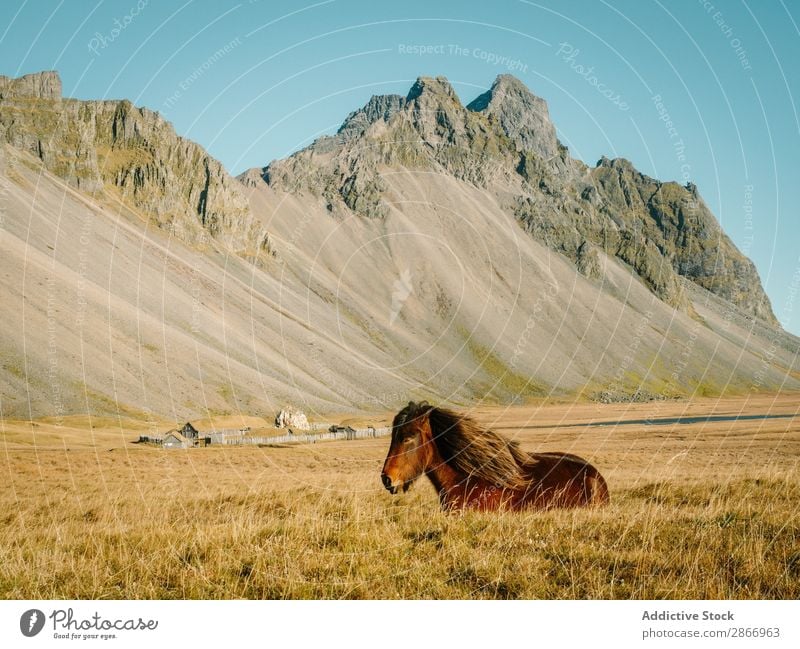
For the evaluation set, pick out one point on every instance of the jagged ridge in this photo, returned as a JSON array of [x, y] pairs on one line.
[[505, 142], [135, 153]]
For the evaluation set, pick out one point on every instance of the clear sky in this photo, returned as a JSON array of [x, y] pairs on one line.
[[255, 80]]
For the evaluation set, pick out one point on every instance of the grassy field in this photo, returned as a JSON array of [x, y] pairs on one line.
[[706, 509]]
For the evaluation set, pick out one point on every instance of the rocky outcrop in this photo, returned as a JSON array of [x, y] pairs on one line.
[[588, 261], [670, 228], [523, 116], [43, 85], [134, 154], [291, 418], [378, 108]]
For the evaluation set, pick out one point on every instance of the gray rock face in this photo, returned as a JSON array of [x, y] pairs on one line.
[[669, 227], [42, 85], [379, 107], [522, 115], [588, 261], [133, 152]]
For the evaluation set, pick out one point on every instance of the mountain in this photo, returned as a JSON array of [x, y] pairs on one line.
[[504, 141], [427, 249], [131, 154]]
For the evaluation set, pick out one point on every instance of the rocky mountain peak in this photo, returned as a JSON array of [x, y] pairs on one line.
[[431, 87], [621, 164], [41, 85], [379, 107], [503, 85], [523, 116], [448, 133]]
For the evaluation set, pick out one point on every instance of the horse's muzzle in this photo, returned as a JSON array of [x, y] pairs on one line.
[[387, 482]]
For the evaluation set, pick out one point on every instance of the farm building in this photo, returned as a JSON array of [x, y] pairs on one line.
[[341, 429], [189, 431], [349, 431], [174, 439]]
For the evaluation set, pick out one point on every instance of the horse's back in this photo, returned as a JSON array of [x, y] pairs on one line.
[[566, 480], [566, 457]]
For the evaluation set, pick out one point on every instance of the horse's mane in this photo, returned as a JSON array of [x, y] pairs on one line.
[[470, 448]]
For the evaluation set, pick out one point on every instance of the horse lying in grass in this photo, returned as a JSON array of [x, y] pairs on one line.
[[474, 468]]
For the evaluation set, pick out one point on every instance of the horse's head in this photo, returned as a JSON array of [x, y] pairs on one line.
[[411, 452]]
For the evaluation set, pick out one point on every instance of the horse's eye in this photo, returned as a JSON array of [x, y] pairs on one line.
[[408, 441]]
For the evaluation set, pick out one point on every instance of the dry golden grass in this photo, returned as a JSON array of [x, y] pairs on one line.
[[702, 510]]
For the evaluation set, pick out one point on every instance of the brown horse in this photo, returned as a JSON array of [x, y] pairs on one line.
[[474, 468]]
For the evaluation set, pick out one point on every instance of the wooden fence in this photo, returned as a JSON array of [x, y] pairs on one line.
[[305, 438], [237, 438]]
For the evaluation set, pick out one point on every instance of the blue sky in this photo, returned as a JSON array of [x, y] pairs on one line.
[[255, 80]]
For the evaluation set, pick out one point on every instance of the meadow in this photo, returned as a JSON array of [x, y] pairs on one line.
[[702, 507]]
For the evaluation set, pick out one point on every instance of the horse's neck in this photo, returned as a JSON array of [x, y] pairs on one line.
[[457, 491], [443, 477]]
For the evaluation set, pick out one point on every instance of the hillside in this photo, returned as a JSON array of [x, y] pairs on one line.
[[428, 249]]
